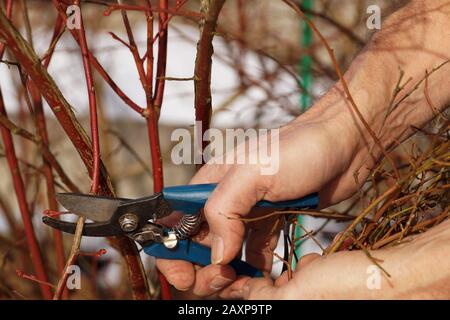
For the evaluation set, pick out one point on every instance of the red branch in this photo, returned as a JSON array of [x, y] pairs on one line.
[[30, 277], [151, 113], [92, 108], [61, 7], [35, 252], [152, 120], [31, 65], [57, 33], [203, 65], [162, 56], [48, 172], [160, 10], [154, 105], [95, 176], [45, 150]]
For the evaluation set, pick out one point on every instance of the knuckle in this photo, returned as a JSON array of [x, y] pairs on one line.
[[177, 274], [209, 209]]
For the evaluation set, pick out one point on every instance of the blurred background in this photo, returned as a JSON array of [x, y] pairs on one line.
[[267, 69]]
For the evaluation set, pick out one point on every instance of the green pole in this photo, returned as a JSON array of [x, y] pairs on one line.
[[304, 70], [306, 60]]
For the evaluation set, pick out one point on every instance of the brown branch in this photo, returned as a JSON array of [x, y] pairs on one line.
[[31, 65], [95, 154], [161, 10], [11, 126], [74, 252], [344, 84], [63, 112], [203, 63], [35, 252], [335, 247], [43, 142], [13, 225], [47, 170], [348, 32]]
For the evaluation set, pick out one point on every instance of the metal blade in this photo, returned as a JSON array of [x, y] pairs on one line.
[[94, 229], [98, 209]]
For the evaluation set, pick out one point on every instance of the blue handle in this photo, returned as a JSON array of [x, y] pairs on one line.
[[191, 198], [196, 253]]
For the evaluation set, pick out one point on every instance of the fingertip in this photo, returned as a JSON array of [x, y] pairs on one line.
[[282, 279], [212, 279], [259, 289], [234, 291], [307, 259], [180, 274]]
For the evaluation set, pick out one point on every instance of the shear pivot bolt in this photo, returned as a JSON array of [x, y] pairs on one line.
[[129, 222], [171, 240]]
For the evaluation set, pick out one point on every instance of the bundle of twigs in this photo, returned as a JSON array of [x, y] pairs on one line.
[[414, 203], [390, 209]]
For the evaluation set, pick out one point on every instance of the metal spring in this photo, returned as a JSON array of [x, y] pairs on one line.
[[187, 226]]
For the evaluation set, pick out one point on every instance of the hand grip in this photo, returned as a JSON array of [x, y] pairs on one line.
[[198, 254], [191, 198]]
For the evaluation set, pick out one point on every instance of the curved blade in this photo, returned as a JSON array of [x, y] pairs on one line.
[[98, 209], [96, 229]]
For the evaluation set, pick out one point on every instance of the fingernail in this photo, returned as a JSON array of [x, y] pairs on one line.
[[219, 282], [182, 289], [236, 294], [217, 250]]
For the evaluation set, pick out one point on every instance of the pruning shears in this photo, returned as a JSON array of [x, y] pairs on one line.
[[138, 219]]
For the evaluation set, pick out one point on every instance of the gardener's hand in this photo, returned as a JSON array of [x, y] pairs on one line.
[[318, 151], [323, 149], [419, 269]]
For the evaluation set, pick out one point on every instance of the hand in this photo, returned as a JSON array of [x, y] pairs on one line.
[[319, 149], [323, 149], [419, 269]]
